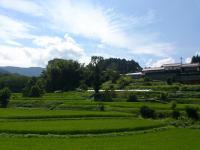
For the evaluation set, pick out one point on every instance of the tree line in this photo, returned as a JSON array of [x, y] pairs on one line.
[[66, 75], [195, 59]]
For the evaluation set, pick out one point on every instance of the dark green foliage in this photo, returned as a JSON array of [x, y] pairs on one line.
[[192, 112], [184, 122], [5, 95], [163, 97], [113, 93], [132, 98], [122, 66], [169, 81], [14, 82], [147, 112], [96, 80], [96, 73], [190, 88], [62, 75], [195, 59], [66, 75], [98, 96], [34, 88], [83, 86], [124, 81], [35, 91], [101, 107], [161, 115], [147, 79], [107, 96], [176, 114], [173, 105], [111, 75]]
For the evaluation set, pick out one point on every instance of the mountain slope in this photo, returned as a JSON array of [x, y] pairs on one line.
[[32, 71]]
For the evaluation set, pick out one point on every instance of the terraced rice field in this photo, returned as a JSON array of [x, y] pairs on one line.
[[172, 139], [46, 114], [81, 126], [73, 121]]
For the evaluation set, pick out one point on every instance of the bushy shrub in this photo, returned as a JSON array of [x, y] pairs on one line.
[[164, 97], [192, 112], [175, 114], [173, 105], [34, 88], [161, 115], [124, 81], [83, 87], [5, 95], [33, 91], [147, 112], [101, 107], [183, 122], [107, 96], [190, 88], [132, 98]]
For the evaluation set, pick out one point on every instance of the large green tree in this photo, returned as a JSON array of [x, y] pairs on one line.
[[96, 70], [62, 75]]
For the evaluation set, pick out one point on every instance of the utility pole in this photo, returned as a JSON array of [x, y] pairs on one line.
[[181, 61]]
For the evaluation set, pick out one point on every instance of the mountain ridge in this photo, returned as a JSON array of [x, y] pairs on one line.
[[30, 71]]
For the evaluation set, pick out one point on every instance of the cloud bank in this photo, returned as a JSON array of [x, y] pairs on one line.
[[24, 42]]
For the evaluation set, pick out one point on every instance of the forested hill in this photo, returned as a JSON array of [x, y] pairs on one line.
[[121, 65], [32, 71]]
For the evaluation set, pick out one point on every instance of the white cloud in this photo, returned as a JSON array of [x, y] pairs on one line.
[[24, 6], [108, 26], [48, 48], [79, 18], [41, 49], [160, 62], [58, 44], [11, 29], [12, 42], [188, 60]]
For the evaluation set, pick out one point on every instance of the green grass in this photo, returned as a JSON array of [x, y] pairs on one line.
[[42, 114], [93, 126], [173, 139], [156, 106], [72, 95]]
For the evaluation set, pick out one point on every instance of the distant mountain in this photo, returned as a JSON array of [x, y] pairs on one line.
[[32, 71], [2, 71]]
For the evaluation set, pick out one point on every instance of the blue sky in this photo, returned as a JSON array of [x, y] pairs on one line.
[[152, 32]]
